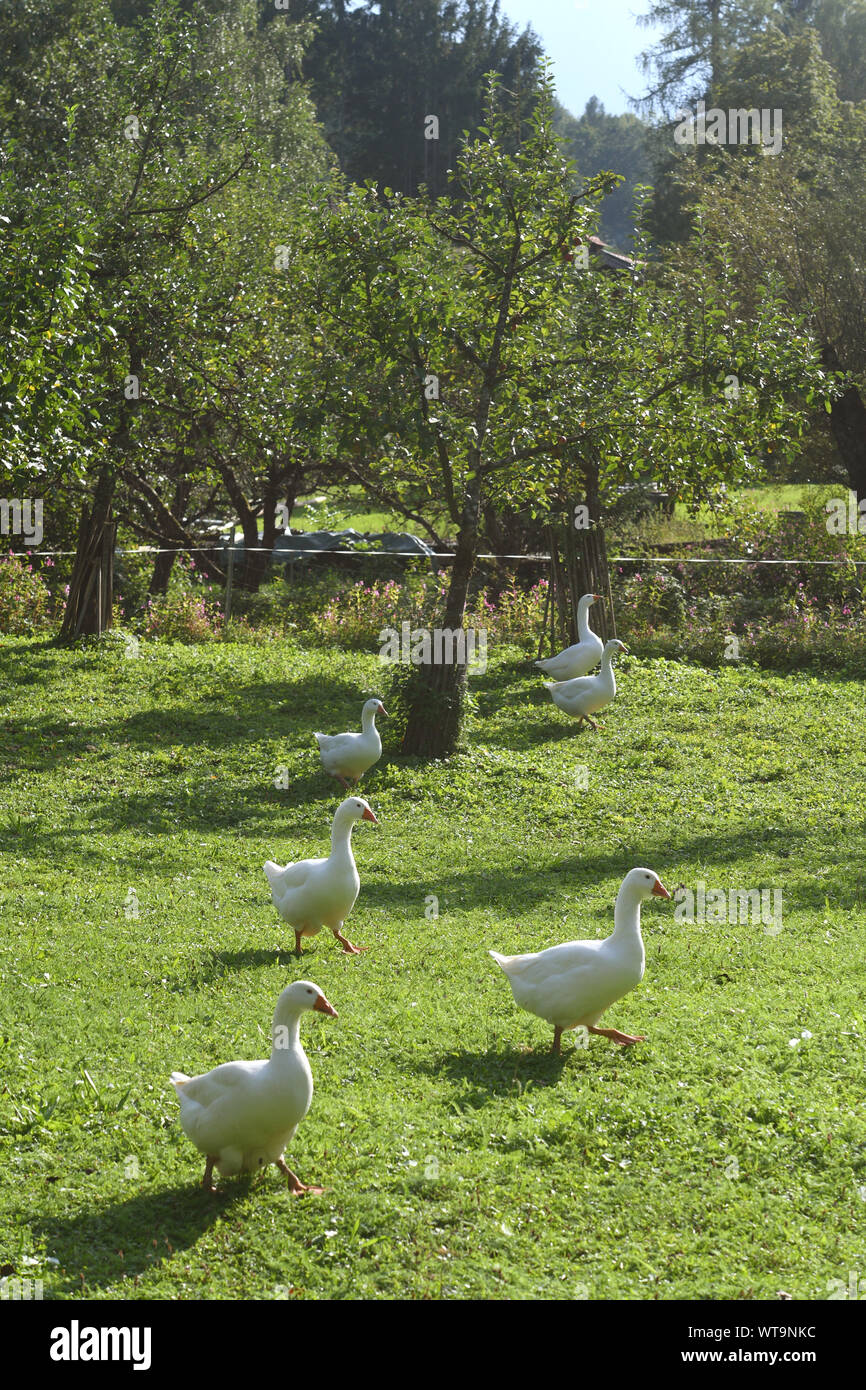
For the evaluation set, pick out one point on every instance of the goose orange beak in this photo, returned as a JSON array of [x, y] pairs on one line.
[[660, 890], [323, 1007], [368, 815], [382, 710]]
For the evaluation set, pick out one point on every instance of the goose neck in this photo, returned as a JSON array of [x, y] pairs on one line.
[[584, 631], [285, 1035], [341, 836], [626, 917], [368, 719]]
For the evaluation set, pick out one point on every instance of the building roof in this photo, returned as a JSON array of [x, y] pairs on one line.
[[609, 260]]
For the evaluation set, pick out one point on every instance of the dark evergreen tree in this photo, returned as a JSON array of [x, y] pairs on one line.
[[380, 71], [598, 141]]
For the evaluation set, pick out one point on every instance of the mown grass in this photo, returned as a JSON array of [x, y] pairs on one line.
[[712, 1161], [767, 497], [348, 508]]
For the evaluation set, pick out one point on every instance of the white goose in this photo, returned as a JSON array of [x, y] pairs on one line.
[[351, 755], [243, 1115], [585, 696], [316, 893], [580, 658], [572, 985]]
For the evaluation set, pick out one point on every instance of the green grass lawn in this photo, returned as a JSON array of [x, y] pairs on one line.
[[769, 497], [349, 509], [786, 496], [713, 1161], [339, 511], [311, 513]]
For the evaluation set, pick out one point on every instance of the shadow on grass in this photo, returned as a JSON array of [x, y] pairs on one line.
[[255, 958], [261, 811], [119, 1240], [215, 965], [528, 734], [507, 890], [482, 1077], [498, 888], [219, 716]]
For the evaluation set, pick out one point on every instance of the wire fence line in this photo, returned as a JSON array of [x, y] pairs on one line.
[[737, 560], [292, 557]]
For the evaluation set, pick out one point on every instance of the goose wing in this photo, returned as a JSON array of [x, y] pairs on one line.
[[328, 742], [224, 1105], [572, 695], [559, 983], [292, 876]]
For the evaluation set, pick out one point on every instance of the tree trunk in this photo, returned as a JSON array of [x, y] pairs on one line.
[[290, 498], [586, 560], [436, 690], [163, 564], [848, 423], [258, 560], [90, 600], [435, 694], [89, 603], [589, 469], [173, 530], [251, 571], [161, 572]]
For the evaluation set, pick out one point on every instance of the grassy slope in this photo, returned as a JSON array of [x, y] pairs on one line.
[[769, 497], [458, 1162], [349, 509]]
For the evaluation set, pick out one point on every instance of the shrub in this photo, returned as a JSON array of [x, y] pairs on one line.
[[357, 613], [183, 616], [515, 616], [806, 635], [783, 615], [25, 600]]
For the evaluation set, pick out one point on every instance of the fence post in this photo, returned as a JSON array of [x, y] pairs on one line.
[[106, 574], [578, 565], [230, 566], [547, 600]]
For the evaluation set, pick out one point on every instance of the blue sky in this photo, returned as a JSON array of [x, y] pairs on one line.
[[594, 46]]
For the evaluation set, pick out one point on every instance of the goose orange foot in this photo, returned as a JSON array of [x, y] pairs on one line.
[[348, 948], [616, 1036], [296, 1187]]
